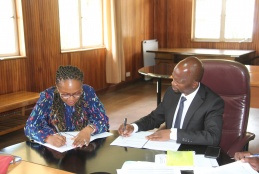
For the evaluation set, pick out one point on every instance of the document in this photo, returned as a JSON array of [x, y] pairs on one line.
[[140, 167], [162, 145], [202, 165], [138, 140], [69, 141], [237, 167]]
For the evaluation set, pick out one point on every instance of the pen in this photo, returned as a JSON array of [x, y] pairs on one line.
[[57, 130], [124, 124], [252, 156]]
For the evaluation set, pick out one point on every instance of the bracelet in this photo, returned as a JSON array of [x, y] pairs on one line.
[[92, 126]]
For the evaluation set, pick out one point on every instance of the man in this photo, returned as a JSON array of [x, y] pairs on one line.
[[201, 121], [247, 157]]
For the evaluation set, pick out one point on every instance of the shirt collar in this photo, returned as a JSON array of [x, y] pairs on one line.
[[191, 95]]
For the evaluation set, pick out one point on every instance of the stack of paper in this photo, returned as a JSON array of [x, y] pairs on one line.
[[202, 165]]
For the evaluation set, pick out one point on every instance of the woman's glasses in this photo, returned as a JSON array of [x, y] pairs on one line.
[[74, 95], [67, 96]]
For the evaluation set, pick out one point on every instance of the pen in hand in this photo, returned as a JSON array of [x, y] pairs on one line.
[[57, 130], [124, 125], [60, 133], [252, 156]]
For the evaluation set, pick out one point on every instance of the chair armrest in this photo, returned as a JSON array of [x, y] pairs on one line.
[[240, 143]]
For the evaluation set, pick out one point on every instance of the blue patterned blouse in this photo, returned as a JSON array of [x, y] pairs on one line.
[[38, 126]]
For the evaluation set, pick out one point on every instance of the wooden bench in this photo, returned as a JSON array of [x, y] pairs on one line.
[[14, 101]]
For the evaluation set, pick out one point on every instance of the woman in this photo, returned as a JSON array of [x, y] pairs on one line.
[[68, 106], [248, 157]]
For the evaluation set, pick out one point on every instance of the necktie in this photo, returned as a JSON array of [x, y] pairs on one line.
[[177, 122]]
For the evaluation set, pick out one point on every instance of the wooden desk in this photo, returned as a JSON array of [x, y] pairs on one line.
[[254, 83], [164, 71], [174, 55], [102, 157]]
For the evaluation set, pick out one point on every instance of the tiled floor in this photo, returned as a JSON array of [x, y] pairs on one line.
[[133, 102]]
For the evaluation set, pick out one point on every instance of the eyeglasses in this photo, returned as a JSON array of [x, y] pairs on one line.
[[75, 95], [67, 96]]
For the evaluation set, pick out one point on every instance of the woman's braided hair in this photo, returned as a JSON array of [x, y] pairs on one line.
[[58, 107]]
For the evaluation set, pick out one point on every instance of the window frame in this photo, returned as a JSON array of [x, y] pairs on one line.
[[80, 19], [20, 51], [222, 27]]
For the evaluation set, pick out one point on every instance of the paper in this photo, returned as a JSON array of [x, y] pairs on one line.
[[138, 140], [140, 167], [236, 167], [180, 158], [199, 161], [69, 141], [162, 145]]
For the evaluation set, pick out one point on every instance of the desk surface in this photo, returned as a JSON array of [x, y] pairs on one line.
[[164, 71], [99, 157], [31, 168], [203, 52]]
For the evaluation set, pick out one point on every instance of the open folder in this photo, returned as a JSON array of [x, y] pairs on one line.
[[138, 140], [69, 141]]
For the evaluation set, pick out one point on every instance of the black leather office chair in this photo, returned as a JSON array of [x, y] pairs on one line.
[[231, 81]]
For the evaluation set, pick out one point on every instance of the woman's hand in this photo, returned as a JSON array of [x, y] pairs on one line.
[[56, 140], [83, 137], [243, 156]]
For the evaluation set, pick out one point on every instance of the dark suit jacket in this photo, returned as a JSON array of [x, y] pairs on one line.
[[203, 121]]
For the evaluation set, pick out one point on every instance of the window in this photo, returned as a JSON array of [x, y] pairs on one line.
[[81, 24], [223, 20], [11, 30]]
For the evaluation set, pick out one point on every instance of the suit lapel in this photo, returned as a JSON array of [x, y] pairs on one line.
[[172, 109], [197, 101]]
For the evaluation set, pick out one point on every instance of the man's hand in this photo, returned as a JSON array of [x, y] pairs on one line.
[[56, 140], [160, 135], [125, 131]]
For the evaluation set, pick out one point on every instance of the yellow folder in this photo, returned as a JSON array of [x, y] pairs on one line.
[[180, 158]]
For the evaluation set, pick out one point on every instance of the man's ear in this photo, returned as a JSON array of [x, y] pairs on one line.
[[195, 84]]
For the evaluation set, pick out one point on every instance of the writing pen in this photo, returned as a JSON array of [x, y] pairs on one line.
[[124, 124], [57, 130], [252, 156]]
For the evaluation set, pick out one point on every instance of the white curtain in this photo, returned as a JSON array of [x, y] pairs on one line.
[[113, 40]]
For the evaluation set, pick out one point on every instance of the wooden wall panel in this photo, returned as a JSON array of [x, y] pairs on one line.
[[42, 40], [160, 22], [137, 25], [12, 76], [178, 15], [93, 66]]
